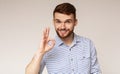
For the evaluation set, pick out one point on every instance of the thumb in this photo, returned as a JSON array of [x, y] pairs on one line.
[[51, 43]]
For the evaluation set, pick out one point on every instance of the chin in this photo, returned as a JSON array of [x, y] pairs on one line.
[[63, 37]]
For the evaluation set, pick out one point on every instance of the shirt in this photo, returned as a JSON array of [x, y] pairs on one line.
[[79, 58]]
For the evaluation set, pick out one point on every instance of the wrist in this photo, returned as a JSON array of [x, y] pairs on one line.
[[38, 56]]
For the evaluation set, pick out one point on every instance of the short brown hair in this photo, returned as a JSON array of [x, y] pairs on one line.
[[65, 8]]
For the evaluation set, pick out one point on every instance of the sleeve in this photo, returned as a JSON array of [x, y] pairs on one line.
[[42, 65], [95, 68]]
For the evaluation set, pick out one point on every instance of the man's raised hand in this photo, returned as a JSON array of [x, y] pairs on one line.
[[46, 43]]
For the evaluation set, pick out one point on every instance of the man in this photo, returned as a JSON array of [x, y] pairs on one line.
[[68, 53]]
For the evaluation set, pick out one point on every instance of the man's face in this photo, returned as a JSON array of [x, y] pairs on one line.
[[64, 24]]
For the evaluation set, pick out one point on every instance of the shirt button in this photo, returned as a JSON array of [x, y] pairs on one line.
[[72, 69], [71, 59], [83, 57]]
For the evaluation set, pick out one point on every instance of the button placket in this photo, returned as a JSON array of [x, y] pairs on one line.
[[72, 62]]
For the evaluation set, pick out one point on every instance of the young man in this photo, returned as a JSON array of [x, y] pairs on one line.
[[68, 53]]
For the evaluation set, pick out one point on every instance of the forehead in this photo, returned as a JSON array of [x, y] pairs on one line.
[[62, 17]]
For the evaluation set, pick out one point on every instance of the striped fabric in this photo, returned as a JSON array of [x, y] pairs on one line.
[[79, 58]]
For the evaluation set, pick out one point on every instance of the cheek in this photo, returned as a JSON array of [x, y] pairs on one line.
[[70, 27], [55, 26]]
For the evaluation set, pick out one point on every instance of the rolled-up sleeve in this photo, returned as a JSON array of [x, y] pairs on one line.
[[95, 67]]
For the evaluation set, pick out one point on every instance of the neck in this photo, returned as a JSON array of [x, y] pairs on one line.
[[68, 40]]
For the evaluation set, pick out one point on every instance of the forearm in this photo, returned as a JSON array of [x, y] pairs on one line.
[[34, 66]]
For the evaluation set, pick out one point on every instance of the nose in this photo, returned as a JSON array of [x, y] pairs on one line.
[[63, 25]]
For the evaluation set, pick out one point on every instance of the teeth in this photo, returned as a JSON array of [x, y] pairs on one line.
[[63, 31]]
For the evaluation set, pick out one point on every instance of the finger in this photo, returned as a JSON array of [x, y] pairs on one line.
[[43, 37], [47, 32]]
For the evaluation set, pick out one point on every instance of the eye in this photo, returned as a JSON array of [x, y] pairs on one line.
[[68, 21], [57, 21]]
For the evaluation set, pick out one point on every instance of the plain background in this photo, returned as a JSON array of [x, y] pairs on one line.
[[22, 22]]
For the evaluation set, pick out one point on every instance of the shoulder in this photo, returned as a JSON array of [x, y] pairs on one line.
[[83, 39], [87, 42]]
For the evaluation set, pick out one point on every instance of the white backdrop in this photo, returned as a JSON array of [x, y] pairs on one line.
[[22, 22]]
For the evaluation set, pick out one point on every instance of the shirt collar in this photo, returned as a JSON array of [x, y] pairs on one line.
[[76, 39], [58, 41]]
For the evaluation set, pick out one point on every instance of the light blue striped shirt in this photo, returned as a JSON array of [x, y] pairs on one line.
[[79, 58]]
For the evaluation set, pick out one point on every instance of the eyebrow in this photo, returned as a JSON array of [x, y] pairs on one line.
[[65, 20]]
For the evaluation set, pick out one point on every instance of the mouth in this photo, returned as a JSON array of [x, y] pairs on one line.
[[63, 32]]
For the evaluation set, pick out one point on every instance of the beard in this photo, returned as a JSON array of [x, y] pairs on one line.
[[64, 35]]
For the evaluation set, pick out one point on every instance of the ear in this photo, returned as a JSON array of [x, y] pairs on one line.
[[76, 22], [53, 21]]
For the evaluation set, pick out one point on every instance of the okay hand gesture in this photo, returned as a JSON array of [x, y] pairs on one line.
[[46, 43]]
